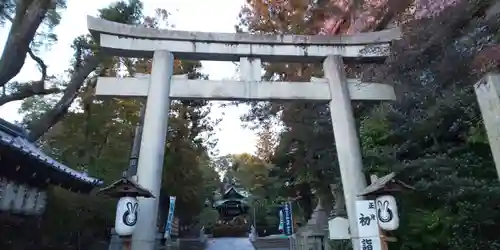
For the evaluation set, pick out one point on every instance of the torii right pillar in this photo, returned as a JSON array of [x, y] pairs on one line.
[[346, 140]]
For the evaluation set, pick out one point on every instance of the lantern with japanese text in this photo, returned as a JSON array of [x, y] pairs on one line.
[[380, 194]]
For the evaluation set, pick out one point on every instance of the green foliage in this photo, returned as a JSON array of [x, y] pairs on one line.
[[432, 137], [253, 174], [208, 217], [124, 12], [9, 9]]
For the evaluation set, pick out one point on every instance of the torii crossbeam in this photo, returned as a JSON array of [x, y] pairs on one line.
[[161, 87]]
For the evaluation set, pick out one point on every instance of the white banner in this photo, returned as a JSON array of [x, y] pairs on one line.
[[367, 219], [170, 218]]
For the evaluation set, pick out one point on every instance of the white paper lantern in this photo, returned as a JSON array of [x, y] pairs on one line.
[[9, 196], [19, 200], [126, 216], [387, 212], [30, 202], [41, 202], [3, 185]]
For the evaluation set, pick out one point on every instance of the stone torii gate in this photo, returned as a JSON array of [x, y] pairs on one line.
[[161, 87]]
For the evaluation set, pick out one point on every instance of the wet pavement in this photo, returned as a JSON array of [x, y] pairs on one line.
[[229, 244]]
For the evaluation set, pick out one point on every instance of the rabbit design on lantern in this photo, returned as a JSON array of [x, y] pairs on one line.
[[130, 215], [385, 214]]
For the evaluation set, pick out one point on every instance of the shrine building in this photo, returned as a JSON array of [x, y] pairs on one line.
[[233, 202], [26, 173]]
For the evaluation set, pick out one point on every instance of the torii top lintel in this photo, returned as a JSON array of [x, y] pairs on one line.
[[136, 41]]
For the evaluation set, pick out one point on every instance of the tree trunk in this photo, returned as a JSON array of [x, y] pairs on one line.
[[39, 127], [23, 30]]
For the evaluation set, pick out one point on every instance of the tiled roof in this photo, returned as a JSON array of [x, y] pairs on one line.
[[14, 137], [239, 191], [221, 202]]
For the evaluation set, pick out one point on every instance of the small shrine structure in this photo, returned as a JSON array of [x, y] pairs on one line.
[[26, 172], [233, 202]]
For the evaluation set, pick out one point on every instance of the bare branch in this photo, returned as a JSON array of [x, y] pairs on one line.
[[6, 16], [41, 64], [38, 127], [28, 90], [31, 88]]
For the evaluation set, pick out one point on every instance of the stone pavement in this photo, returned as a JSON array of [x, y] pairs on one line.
[[229, 244]]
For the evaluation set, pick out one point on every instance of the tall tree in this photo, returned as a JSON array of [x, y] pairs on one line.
[[26, 17], [86, 148], [95, 135], [432, 136], [266, 143], [27, 21]]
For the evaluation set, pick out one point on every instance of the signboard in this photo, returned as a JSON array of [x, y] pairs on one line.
[[287, 216], [369, 234], [338, 229], [170, 218]]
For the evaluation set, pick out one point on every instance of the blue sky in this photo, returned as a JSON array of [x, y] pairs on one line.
[[191, 15]]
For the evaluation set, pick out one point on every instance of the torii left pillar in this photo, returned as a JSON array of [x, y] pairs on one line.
[[152, 150]]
